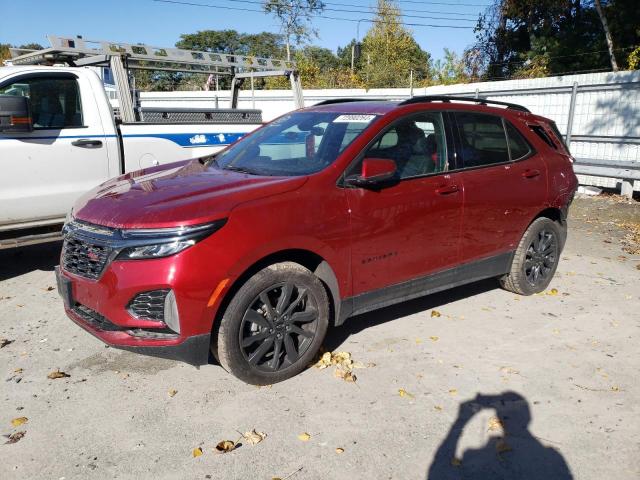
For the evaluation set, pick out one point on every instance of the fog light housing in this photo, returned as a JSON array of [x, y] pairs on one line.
[[149, 305], [171, 316]]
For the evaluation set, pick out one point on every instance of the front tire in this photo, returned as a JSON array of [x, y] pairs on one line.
[[536, 258], [274, 325]]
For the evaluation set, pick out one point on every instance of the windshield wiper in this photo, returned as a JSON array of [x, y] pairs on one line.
[[247, 170]]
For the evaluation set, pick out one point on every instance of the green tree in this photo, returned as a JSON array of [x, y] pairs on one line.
[[532, 37], [295, 18], [4, 52], [389, 51]]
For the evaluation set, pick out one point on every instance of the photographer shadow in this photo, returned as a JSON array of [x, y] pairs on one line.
[[514, 454]]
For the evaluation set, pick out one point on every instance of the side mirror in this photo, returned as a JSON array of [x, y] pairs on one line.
[[15, 114], [375, 171]]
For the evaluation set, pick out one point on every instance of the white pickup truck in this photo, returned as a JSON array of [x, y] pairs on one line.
[[59, 137]]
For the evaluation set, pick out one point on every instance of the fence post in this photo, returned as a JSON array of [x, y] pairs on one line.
[[572, 111]]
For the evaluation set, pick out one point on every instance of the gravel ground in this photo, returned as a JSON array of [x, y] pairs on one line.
[[471, 383]]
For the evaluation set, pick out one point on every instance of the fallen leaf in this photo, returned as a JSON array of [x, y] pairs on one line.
[[346, 375], [495, 424], [418, 341], [502, 446], [225, 446], [196, 452], [15, 437], [403, 393], [49, 288], [5, 341], [435, 313], [553, 292], [254, 437], [172, 392], [57, 374], [325, 361], [615, 389], [509, 370], [456, 462], [453, 391], [434, 338], [304, 437], [16, 422], [438, 408]]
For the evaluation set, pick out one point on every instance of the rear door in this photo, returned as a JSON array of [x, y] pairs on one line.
[[504, 184], [45, 170], [411, 228]]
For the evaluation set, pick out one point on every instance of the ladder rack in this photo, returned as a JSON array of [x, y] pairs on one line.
[[81, 52], [122, 57]]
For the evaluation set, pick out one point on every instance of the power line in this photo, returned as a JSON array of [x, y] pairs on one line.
[[221, 7], [366, 12]]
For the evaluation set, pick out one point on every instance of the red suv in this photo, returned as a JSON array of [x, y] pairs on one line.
[[322, 214]]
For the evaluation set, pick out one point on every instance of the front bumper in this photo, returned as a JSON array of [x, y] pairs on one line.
[[101, 305]]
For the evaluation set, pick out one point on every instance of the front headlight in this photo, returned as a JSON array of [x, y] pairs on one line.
[[163, 242]]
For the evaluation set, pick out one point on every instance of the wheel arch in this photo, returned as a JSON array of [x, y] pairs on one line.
[[308, 259], [557, 215]]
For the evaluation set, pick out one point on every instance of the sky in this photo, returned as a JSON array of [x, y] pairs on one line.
[[160, 24]]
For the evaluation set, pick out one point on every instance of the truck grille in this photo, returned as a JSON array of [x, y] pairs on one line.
[[84, 258]]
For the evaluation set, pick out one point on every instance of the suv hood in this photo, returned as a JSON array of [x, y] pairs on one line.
[[183, 193]]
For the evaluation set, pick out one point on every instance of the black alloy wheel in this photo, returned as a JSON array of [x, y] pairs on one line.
[[541, 257], [278, 327], [536, 258], [274, 324]]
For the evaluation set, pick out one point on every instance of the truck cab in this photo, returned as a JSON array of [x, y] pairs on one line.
[[66, 137]]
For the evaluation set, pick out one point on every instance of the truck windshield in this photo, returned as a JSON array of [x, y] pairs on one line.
[[300, 143]]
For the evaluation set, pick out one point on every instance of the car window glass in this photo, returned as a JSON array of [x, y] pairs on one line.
[[296, 144], [518, 146], [417, 145], [483, 139], [55, 102], [538, 130]]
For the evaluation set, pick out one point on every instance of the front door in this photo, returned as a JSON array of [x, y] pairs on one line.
[[46, 170], [410, 228]]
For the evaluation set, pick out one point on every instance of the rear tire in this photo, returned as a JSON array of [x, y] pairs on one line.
[[274, 325], [536, 258]]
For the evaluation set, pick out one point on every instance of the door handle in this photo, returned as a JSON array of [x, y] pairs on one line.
[[87, 143], [531, 173], [447, 190]]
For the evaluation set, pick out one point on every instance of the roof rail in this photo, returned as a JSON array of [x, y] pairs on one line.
[[449, 98], [331, 101]]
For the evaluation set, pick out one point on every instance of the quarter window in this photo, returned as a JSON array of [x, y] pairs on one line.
[[518, 146], [55, 102], [483, 139]]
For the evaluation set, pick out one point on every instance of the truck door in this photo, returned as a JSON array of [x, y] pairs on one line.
[[46, 170]]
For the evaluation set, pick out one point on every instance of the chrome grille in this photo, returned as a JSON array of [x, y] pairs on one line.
[[149, 305], [84, 258]]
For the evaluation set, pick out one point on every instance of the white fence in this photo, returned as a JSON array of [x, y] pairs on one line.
[[599, 113]]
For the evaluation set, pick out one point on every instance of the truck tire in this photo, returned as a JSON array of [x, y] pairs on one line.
[[274, 325]]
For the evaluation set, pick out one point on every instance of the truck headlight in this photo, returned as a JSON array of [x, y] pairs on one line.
[[163, 242]]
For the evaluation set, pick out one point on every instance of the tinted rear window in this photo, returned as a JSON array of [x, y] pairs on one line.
[[483, 139]]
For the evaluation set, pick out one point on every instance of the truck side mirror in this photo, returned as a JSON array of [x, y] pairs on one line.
[[15, 114]]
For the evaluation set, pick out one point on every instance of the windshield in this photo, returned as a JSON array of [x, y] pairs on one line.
[[300, 143]]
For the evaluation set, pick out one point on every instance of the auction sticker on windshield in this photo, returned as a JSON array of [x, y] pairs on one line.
[[354, 118]]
